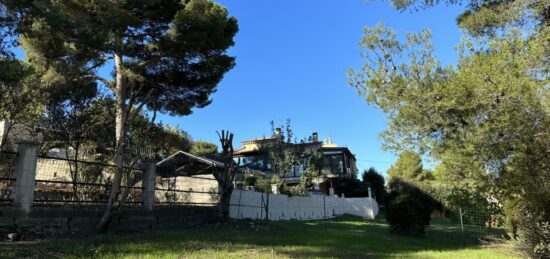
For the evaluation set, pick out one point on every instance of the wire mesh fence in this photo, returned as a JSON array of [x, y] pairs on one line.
[[467, 226], [8, 162], [61, 181]]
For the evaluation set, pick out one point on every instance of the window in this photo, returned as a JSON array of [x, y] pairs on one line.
[[253, 162], [334, 163]]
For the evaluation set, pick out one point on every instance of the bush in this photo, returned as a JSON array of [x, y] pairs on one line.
[[528, 223], [250, 180], [408, 209], [263, 185]]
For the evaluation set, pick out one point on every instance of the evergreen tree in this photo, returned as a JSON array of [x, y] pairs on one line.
[[491, 108], [168, 56], [203, 148], [373, 179], [408, 165]]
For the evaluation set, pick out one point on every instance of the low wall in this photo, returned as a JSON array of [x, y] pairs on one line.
[[59, 221], [252, 205]]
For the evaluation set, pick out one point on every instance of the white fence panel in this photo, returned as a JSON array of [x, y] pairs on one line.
[[252, 205]]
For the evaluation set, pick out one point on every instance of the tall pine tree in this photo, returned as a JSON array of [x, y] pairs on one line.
[[168, 56]]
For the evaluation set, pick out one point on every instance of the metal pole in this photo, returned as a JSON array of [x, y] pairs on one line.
[[325, 213], [462, 226], [461, 222], [324, 207]]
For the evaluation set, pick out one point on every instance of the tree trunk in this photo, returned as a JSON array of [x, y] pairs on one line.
[[120, 135], [224, 203], [226, 176]]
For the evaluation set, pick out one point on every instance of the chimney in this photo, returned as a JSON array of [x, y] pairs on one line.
[[314, 137]]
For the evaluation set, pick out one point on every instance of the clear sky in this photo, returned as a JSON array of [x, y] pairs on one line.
[[292, 61]]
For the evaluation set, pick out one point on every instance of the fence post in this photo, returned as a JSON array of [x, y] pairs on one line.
[[462, 226], [25, 173], [149, 175]]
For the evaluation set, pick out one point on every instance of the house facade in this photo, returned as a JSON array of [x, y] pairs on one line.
[[338, 162]]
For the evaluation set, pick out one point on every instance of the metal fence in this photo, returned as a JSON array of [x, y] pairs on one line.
[[467, 226], [69, 182], [8, 162], [61, 181]]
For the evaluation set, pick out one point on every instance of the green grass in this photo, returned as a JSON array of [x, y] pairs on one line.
[[339, 238]]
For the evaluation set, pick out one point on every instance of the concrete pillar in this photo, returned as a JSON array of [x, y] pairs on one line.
[[274, 189], [370, 194], [148, 184], [25, 172]]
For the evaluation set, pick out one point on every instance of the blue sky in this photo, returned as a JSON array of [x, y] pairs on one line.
[[292, 61]]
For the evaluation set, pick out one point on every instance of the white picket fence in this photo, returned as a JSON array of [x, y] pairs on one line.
[[252, 205]]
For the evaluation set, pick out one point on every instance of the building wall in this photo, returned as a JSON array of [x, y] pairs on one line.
[[192, 190]]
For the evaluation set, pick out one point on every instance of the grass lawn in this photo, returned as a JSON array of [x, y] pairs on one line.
[[347, 237]]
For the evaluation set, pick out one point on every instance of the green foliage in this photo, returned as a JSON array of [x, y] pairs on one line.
[[174, 51], [169, 140], [263, 185], [275, 179], [487, 17], [408, 165], [491, 109], [203, 148], [21, 100], [408, 209], [487, 212], [529, 224], [375, 180], [250, 180], [283, 154], [314, 166]]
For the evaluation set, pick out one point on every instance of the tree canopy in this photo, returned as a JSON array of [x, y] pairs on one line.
[[408, 165], [168, 55], [203, 148], [491, 109], [376, 182]]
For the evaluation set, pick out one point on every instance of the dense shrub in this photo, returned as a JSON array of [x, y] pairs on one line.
[[262, 185], [408, 209], [250, 180], [528, 222]]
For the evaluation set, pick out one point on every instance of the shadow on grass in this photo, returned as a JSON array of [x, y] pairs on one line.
[[347, 237]]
